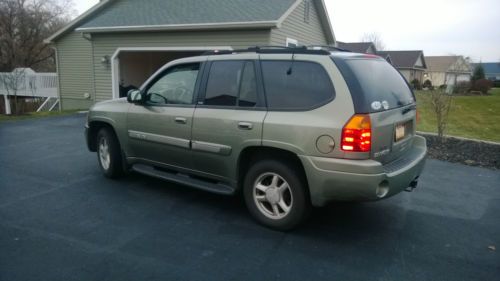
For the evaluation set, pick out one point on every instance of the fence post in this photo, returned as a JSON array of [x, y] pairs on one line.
[[7, 105]]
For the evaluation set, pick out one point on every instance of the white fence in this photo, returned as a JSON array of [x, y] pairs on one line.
[[29, 84]]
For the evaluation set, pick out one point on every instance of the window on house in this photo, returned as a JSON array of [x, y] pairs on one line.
[[292, 43]]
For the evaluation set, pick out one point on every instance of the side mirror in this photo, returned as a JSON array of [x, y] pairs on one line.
[[134, 96]]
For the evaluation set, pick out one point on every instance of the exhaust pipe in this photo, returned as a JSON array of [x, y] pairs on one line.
[[412, 185]]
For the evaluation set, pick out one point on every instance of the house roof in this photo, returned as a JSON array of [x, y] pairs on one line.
[[404, 59], [490, 67], [356, 47], [156, 15], [440, 63]]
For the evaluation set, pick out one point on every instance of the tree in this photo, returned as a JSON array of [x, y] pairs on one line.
[[374, 38], [24, 24], [478, 73], [441, 105], [12, 83]]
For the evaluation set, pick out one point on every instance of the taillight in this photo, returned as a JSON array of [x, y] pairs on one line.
[[357, 134]]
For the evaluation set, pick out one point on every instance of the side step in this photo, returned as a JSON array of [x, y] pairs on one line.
[[217, 188]]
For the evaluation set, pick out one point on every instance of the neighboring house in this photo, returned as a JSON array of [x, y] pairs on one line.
[[491, 70], [411, 64], [447, 70], [358, 47], [120, 43]]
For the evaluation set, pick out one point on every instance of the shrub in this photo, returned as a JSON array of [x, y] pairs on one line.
[[442, 87], [428, 84], [478, 73], [496, 84], [415, 83], [483, 85], [462, 87]]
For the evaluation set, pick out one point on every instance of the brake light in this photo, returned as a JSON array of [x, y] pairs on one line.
[[357, 134]]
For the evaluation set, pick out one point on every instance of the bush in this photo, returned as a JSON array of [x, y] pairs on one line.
[[462, 87], [483, 85], [443, 87], [428, 84], [415, 83], [496, 84]]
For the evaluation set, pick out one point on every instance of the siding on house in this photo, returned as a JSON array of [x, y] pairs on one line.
[[106, 44], [74, 58], [294, 27]]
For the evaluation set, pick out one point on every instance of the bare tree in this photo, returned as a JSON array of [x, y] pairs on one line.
[[374, 38], [12, 82], [441, 104], [24, 24]]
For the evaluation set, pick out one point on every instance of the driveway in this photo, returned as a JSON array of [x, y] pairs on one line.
[[61, 220]]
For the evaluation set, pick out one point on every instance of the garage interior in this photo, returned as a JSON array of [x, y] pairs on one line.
[[135, 67]]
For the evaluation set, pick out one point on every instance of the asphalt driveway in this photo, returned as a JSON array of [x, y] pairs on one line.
[[61, 220]]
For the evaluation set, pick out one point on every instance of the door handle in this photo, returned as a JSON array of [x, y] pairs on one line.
[[180, 120], [245, 125]]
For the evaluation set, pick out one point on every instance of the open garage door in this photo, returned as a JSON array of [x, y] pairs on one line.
[[131, 67]]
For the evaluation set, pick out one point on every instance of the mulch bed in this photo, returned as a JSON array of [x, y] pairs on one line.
[[464, 151]]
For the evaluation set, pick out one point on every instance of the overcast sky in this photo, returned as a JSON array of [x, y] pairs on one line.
[[438, 27]]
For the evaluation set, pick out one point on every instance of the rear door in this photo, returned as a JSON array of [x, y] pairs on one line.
[[378, 89], [229, 114]]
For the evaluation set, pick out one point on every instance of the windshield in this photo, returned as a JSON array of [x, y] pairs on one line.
[[375, 85]]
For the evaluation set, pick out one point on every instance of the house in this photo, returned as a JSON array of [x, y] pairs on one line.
[[491, 70], [119, 43], [447, 70], [358, 47], [411, 64]]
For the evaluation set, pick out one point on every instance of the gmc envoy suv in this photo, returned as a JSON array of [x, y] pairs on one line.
[[287, 128]]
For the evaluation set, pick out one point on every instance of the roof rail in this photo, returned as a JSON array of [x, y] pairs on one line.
[[327, 47], [271, 50]]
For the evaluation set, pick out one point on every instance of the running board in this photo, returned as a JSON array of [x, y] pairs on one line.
[[217, 188]]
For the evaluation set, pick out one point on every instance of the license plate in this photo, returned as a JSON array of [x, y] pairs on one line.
[[400, 132]]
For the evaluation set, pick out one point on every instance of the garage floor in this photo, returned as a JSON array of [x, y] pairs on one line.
[[61, 220]]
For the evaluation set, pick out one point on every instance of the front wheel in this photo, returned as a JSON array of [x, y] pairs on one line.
[[276, 195], [109, 154]]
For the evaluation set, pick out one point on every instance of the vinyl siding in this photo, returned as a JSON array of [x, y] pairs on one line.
[[295, 27], [75, 70], [106, 44]]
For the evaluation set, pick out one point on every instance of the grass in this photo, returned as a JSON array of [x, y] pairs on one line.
[[33, 115], [476, 117]]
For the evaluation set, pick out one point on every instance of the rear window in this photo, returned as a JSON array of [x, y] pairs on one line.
[[296, 85], [375, 85]]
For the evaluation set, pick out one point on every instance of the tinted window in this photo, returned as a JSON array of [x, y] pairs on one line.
[[380, 82], [176, 86], [296, 85], [230, 83]]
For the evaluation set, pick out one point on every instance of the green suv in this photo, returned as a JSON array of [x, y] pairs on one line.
[[287, 128]]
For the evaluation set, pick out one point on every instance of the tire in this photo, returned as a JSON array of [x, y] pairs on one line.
[[285, 202], [109, 154]]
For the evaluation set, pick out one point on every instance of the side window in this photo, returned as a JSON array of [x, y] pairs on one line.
[[231, 83], [176, 86], [296, 86]]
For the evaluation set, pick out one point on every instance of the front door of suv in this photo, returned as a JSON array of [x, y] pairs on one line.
[[159, 129], [229, 114]]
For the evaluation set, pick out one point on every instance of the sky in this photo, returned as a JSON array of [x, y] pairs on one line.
[[438, 27]]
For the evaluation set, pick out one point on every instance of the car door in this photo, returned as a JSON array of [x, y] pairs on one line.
[[229, 114], [159, 128]]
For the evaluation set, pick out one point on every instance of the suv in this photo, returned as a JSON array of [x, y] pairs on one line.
[[290, 128]]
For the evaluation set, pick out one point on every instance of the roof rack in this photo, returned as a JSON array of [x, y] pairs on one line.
[[326, 47], [274, 50]]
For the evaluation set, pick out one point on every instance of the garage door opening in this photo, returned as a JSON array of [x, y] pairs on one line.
[[132, 67]]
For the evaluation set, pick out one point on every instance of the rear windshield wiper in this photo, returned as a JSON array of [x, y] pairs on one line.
[[408, 109]]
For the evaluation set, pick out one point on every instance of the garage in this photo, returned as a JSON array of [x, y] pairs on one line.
[[131, 67]]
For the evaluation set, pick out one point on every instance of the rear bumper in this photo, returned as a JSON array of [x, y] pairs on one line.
[[362, 180]]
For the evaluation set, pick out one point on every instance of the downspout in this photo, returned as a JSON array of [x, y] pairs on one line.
[[88, 37], [58, 78]]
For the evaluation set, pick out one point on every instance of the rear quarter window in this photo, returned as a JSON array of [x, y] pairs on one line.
[[374, 81], [296, 85]]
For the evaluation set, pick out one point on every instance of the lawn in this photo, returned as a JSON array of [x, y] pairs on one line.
[[476, 117], [35, 115]]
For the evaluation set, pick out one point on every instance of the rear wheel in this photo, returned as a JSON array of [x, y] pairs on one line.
[[276, 194], [109, 154]]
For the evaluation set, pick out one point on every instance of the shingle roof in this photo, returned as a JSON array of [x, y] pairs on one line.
[[404, 59], [356, 47], [183, 12], [440, 63]]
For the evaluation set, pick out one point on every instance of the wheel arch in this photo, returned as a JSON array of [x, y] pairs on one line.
[[94, 128]]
